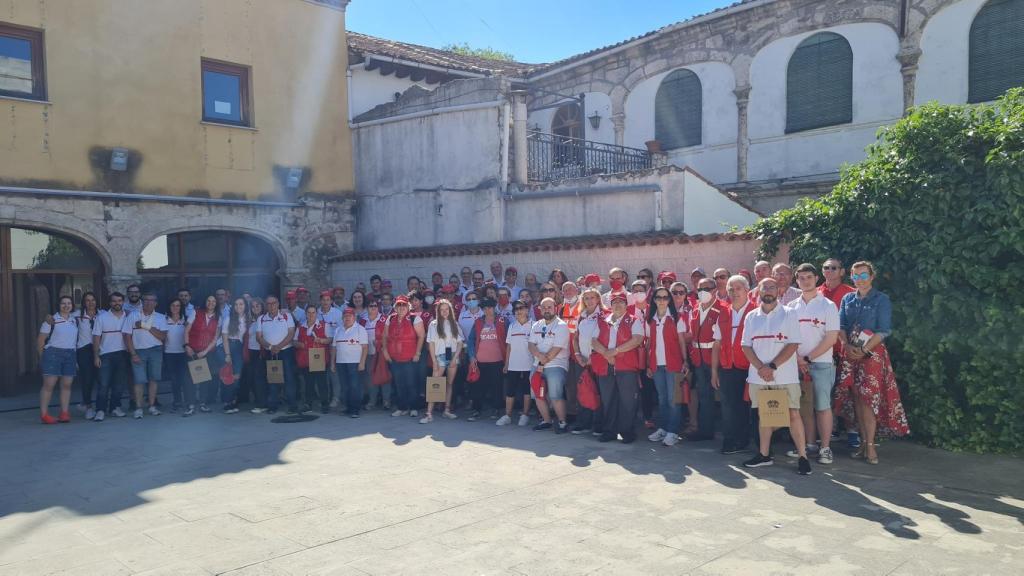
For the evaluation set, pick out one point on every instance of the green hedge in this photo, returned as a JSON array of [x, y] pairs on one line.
[[937, 206]]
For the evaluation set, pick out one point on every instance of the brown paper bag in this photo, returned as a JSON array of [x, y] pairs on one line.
[[317, 359], [678, 381], [199, 370], [275, 372], [437, 389], [773, 407]]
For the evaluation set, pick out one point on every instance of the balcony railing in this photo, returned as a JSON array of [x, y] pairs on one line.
[[553, 157]]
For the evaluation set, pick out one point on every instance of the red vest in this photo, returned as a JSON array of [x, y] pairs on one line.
[[732, 355], [703, 334], [203, 330], [401, 338], [670, 334], [623, 362], [302, 358]]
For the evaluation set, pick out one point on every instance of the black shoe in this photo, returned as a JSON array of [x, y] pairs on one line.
[[728, 450], [577, 429], [324, 409], [628, 438], [803, 467], [698, 437], [293, 410], [606, 437], [542, 426], [758, 460], [562, 428]]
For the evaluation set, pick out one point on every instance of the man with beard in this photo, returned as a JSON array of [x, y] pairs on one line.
[[134, 303], [110, 358], [549, 346]]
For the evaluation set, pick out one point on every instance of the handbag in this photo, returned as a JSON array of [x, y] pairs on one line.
[[586, 391], [538, 385], [381, 374], [474, 373], [227, 376]]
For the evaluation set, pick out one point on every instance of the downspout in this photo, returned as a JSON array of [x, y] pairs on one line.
[[582, 191]]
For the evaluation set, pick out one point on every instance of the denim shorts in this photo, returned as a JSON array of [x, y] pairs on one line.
[[823, 374], [440, 360], [555, 377], [151, 365], [59, 362]]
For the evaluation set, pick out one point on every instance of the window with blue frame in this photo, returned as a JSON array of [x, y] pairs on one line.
[[226, 93], [21, 62]]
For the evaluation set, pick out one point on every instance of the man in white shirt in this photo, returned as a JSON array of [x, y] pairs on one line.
[[466, 284], [109, 357], [348, 358], [134, 302], [188, 310], [496, 273], [549, 346], [331, 318], [511, 276], [144, 334], [819, 329], [518, 364], [275, 332], [783, 275], [771, 336]]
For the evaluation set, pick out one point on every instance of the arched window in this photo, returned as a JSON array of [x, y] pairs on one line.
[[205, 261], [568, 121], [819, 83], [677, 110], [996, 50]]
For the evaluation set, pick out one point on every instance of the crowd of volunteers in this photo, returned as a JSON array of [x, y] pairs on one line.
[[653, 354]]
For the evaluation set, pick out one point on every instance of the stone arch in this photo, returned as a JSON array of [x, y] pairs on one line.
[[272, 241], [59, 226]]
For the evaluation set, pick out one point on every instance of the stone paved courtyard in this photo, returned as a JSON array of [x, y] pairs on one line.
[[236, 494]]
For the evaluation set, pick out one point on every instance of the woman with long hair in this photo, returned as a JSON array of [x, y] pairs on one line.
[[557, 277], [87, 375], [666, 357], [201, 337], [591, 311], [357, 302], [57, 342], [233, 333], [445, 340], [254, 377], [175, 361]]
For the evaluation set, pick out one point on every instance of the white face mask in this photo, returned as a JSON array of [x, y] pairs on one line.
[[636, 299], [429, 300], [705, 297], [571, 300]]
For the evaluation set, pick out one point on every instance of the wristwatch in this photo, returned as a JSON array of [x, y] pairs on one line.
[[807, 359], [773, 366]]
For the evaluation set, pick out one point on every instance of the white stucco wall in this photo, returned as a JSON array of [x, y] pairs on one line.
[[709, 211], [942, 69], [369, 88], [877, 100]]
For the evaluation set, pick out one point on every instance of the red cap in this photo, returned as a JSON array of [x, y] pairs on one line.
[[348, 311], [591, 279], [302, 289], [618, 296], [665, 274], [385, 283], [437, 274], [744, 272], [401, 300], [325, 293], [338, 289], [511, 269], [448, 288], [290, 294]]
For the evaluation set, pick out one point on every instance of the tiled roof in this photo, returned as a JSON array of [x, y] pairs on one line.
[[362, 44], [542, 245]]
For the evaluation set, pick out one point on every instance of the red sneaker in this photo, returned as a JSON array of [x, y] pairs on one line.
[[64, 417], [47, 419]]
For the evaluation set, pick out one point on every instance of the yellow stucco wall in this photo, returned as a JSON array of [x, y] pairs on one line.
[[127, 74]]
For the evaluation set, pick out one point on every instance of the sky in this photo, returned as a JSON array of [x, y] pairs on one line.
[[534, 31]]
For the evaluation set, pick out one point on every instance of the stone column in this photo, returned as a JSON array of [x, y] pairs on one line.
[[742, 142], [521, 173], [619, 124], [908, 67]]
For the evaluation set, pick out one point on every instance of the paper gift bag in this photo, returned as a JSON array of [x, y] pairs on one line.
[[199, 370], [773, 407], [275, 372], [317, 359], [437, 389]]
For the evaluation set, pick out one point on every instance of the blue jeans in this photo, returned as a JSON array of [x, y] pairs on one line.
[[113, 367], [287, 358], [403, 374], [351, 380], [706, 401], [669, 414], [176, 369]]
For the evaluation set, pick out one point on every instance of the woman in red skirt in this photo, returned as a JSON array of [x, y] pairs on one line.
[[867, 389]]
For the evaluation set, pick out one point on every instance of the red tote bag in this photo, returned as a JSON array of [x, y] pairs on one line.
[[381, 374], [586, 391]]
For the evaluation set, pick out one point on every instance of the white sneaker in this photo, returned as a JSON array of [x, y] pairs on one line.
[[99, 416], [825, 456], [658, 435], [137, 414], [397, 413], [426, 419], [504, 420], [450, 415], [82, 407], [118, 412], [90, 414], [258, 410], [524, 420], [334, 402], [670, 439], [414, 413], [153, 411]]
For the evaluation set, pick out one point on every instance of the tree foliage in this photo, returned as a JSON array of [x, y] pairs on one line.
[[938, 206], [487, 53]]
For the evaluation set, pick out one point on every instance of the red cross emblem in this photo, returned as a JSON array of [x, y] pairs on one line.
[[780, 336]]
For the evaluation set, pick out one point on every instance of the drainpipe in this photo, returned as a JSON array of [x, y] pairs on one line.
[[582, 191], [519, 137]]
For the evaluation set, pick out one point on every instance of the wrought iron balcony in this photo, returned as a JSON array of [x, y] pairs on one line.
[[553, 157]]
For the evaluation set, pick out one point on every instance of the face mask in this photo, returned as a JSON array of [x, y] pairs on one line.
[[503, 300], [386, 308], [704, 296], [572, 300], [635, 299], [429, 300], [616, 285], [473, 304]]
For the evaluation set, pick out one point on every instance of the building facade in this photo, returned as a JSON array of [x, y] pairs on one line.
[[196, 143]]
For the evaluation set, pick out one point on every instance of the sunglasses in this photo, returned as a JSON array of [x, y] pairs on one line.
[[721, 277], [678, 293], [661, 297], [644, 277], [861, 276], [548, 290], [830, 267]]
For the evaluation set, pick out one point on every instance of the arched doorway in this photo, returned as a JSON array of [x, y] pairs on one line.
[[567, 126], [37, 267], [208, 260]]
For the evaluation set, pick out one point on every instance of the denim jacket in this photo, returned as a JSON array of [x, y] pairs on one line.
[[873, 312]]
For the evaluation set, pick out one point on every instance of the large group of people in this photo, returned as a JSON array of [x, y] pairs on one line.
[[653, 353]]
